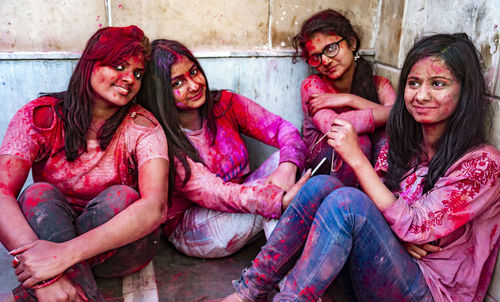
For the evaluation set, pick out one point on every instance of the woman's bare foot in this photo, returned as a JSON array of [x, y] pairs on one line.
[[9, 298]]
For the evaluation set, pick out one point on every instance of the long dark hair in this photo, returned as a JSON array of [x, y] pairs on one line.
[[110, 46], [331, 22], [468, 127], [157, 96]]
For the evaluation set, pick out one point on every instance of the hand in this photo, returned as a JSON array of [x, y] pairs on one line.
[[328, 101], [62, 290], [40, 260], [290, 194], [344, 139], [420, 250], [283, 176]]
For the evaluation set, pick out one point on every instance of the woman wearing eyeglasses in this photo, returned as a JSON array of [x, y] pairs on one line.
[[343, 88]]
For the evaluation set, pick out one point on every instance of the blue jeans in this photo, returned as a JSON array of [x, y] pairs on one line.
[[325, 228]]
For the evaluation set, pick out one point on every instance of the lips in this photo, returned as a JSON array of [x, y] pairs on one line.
[[197, 96], [419, 109], [121, 90]]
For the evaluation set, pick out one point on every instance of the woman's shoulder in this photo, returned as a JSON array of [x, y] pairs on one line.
[[483, 160], [139, 116], [313, 78], [40, 102], [484, 150], [380, 81], [39, 112]]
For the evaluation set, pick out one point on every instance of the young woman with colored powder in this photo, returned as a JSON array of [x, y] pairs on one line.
[[217, 204], [99, 164], [344, 87], [435, 187]]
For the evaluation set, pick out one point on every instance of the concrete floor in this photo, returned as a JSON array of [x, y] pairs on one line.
[[171, 277]]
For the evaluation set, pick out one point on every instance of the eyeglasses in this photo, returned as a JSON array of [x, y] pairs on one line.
[[330, 50]]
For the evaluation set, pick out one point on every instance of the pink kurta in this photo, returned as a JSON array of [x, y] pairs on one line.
[[315, 126], [461, 214], [94, 170], [217, 184]]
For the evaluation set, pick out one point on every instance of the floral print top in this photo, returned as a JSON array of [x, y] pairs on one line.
[[461, 214]]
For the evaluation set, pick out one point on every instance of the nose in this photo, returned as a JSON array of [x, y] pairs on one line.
[[193, 85], [128, 77], [423, 94], [325, 60]]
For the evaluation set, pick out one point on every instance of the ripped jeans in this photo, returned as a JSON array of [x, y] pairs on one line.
[[325, 228], [53, 219]]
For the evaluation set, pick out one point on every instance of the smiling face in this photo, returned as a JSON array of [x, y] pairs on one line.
[[188, 84], [116, 86], [431, 92], [340, 66]]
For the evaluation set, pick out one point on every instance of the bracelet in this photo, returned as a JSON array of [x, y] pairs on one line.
[[47, 282]]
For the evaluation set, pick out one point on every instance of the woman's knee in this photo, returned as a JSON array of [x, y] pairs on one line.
[[116, 197], [318, 187], [105, 206], [349, 199], [39, 192]]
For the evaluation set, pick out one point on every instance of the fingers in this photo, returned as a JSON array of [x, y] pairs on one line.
[[414, 255], [22, 248], [15, 262], [431, 248], [290, 194], [340, 122], [303, 179]]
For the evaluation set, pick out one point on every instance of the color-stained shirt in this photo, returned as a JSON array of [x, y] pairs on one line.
[[461, 214], [94, 170], [217, 184], [320, 123]]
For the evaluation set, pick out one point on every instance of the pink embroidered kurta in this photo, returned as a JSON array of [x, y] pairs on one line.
[[94, 170], [315, 126], [216, 185], [461, 214]]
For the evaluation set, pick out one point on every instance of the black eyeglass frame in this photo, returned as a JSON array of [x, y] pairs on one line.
[[320, 55]]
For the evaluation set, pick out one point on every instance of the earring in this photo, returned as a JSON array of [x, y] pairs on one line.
[[356, 57]]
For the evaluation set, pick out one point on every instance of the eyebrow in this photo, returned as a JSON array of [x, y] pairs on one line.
[[432, 78], [181, 75], [317, 53]]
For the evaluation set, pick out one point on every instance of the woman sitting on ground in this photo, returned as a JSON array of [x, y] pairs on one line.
[[344, 88], [100, 166], [440, 187], [217, 204]]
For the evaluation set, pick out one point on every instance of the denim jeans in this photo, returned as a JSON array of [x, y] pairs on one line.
[[325, 228], [53, 219]]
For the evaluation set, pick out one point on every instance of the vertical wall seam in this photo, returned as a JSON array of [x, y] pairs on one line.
[[376, 28], [402, 54], [269, 25], [108, 12]]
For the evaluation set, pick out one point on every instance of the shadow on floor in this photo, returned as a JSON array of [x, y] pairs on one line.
[[182, 278]]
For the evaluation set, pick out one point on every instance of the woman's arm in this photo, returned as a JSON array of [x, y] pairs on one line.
[[323, 105], [362, 120], [14, 229], [43, 259], [344, 140], [255, 121], [334, 101], [469, 187], [211, 192]]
